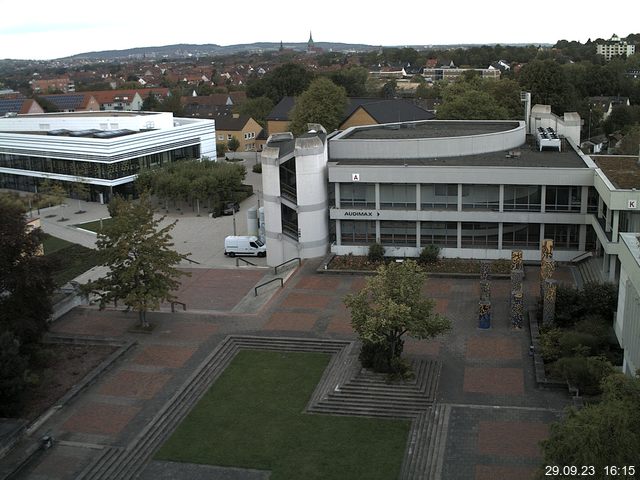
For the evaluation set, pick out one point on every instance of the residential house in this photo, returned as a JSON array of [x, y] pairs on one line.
[[61, 84], [359, 111], [606, 104], [244, 128], [14, 106], [73, 102]]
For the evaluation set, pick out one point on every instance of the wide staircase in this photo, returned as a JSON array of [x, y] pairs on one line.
[[345, 389], [590, 270]]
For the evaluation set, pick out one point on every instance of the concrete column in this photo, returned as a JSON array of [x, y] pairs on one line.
[[500, 230], [582, 238], [418, 241], [543, 199], [459, 239], [459, 197], [418, 197], [378, 200], [337, 186], [584, 200], [613, 262], [600, 204], [615, 226], [377, 231], [501, 200], [338, 232]]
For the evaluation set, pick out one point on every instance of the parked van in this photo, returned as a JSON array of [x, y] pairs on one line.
[[244, 245]]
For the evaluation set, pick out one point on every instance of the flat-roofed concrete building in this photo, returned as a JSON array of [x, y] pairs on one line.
[[103, 149]]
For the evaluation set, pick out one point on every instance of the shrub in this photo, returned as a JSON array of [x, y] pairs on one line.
[[429, 254], [376, 253], [599, 299], [378, 357], [585, 373], [257, 168], [572, 342], [549, 344], [568, 306]]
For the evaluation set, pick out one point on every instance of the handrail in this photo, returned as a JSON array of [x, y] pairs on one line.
[[255, 290], [275, 269], [173, 306], [192, 261], [582, 256], [245, 261]]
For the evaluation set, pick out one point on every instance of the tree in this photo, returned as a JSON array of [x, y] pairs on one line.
[[388, 307], [233, 144], [25, 277], [600, 434], [548, 84], [472, 98], [353, 79], [323, 102], [150, 103], [142, 264], [289, 79], [257, 108], [630, 144], [13, 367]]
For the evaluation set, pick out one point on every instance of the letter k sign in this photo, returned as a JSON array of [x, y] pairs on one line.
[[632, 204]]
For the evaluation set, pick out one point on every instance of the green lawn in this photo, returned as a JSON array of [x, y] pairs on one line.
[[95, 225], [252, 417], [69, 259]]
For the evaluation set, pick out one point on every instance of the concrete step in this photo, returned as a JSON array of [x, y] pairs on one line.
[[365, 411]]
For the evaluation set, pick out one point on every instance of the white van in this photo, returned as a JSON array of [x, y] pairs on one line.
[[244, 245]]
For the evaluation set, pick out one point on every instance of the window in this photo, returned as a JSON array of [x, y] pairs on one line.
[[229, 136], [520, 235], [439, 196], [357, 195], [221, 137], [401, 196], [480, 197], [563, 199], [357, 232], [592, 200], [443, 234], [398, 233], [479, 235], [565, 237], [522, 198]]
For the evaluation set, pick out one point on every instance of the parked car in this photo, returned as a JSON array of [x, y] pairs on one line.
[[229, 208]]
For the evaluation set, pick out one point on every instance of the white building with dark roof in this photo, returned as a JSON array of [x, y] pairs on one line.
[[103, 149]]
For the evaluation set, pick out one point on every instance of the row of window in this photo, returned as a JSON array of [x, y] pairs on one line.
[[108, 171], [474, 197], [473, 235]]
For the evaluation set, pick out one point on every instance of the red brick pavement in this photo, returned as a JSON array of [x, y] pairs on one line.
[[500, 348], [435, 287], [164, 356], [306, 300], [188, 331], [511, 439], [430, 348], [494, 472], [92, 322], [300, 322], [494, 381], [216, 289], [126, 383], [319, 282], [100, 418]]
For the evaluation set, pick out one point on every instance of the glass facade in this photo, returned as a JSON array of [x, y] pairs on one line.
[[353, 232], [521, 235], [358, 195], [439, 196], [522, 198], [563, 199], [104, 171], [401, 196], [480, 235], [443, 234], [481, 197], [398, 233], [565, 237]]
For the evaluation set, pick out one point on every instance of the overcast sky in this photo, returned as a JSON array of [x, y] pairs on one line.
[[44, 30]]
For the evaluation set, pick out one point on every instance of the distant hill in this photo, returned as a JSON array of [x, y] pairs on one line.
[[186, 50], [183, 50]]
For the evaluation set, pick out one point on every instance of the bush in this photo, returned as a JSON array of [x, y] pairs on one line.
[[13, 370], [599, 299], [377, 357], [549, 345], [568, 306], [376, 253], [572, 343], [429, 254], [585, 373], [257, 168]]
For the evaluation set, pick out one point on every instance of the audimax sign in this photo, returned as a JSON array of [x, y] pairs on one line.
[[361, 213]]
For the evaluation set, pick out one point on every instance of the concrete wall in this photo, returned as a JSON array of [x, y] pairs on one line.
[[627, 319], [272, 211], [568, 126], [86, 121]]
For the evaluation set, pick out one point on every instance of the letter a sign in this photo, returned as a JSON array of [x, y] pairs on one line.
[[355, 177]]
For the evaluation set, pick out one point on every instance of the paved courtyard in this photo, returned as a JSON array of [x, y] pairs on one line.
[[497, 414]]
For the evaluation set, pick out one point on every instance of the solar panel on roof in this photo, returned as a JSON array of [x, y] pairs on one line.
[[65, 102], [10, 105]]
